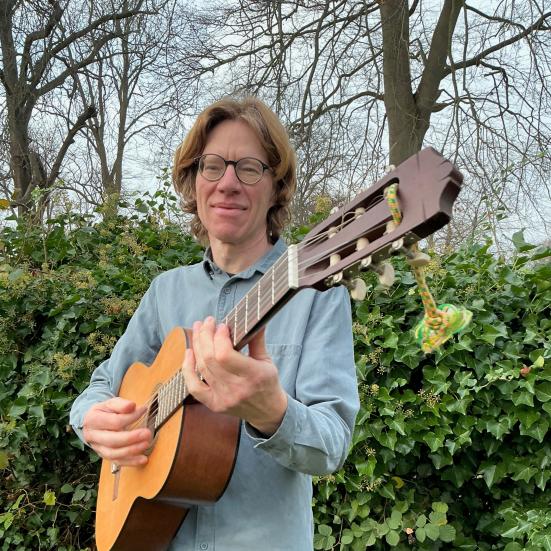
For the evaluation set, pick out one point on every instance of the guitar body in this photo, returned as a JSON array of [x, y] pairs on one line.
[[191, 462]]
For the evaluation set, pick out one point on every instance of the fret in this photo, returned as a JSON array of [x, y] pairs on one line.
[[273, 286], [168, 397], [246, 313], [159, 407], [163, 403], [292, 266], [258, 301], [172, 394], [235, 327]]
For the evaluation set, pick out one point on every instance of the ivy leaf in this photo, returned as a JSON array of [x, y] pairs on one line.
[[513, 546], [543, 540], [543, 391], [525, 473], [492, 473], [537, 431], [519, 242], [491, 332]]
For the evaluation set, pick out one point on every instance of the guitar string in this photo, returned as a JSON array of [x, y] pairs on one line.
[[281, 284]]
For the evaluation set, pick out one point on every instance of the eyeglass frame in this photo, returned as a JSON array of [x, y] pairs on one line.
[[265, 167]]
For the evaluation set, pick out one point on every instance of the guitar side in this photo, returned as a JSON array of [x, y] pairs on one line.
[[191, 461]]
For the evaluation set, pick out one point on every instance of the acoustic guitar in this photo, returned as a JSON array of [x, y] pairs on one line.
[[194, 450]]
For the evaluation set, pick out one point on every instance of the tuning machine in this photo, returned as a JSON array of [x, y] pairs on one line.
[[384, 271], [357, 288], [416, 259]]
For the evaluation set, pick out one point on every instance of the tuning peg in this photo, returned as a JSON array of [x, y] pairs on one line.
[[362, 243], [416, 259], [357, 288], [385, 271]]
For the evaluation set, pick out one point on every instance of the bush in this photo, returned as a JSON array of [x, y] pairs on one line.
[[450, 450], [67, 292]]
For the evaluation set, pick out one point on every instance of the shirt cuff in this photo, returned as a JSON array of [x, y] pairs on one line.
[[284, 437]]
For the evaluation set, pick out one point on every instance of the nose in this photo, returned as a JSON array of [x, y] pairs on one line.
[[229, 183]]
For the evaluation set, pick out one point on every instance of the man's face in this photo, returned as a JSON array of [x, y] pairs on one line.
[[234, 213]]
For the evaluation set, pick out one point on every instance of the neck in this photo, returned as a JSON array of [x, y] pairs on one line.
[[234, 258]]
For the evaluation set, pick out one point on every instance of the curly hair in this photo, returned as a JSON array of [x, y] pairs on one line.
[[272, 136]]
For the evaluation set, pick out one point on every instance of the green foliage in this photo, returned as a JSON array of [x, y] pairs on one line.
[[450, 450], [67, 291]]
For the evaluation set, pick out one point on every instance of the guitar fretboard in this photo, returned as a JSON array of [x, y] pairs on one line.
[[260, 300]]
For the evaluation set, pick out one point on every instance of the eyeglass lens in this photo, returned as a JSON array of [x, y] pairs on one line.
[[248, 169]]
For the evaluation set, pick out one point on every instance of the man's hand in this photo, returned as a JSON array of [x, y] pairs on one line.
[[105, 428], [245, 386]]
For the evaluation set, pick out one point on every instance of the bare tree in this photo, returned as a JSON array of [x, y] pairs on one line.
[[135, 94], [388, 77], [37, 38]]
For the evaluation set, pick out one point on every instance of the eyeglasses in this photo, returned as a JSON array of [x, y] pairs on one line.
[[248, 170]]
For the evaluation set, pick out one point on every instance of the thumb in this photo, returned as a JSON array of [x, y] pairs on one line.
[[118, 405], [257, 346]]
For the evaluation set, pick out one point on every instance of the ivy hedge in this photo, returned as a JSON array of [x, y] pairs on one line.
[[451, 450]]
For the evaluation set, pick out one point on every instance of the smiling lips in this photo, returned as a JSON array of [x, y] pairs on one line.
[[228, 207]]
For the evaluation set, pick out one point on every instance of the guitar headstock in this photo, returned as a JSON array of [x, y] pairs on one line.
[[357, 235]]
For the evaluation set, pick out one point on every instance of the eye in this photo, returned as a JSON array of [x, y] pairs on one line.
[[211, 164], [250, 166]]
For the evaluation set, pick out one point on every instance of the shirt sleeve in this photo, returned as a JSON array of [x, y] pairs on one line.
[[315, 434], [139, 343]]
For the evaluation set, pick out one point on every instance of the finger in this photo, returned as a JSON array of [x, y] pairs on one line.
[[230, 360], [191, 377], [257, 346], [118, 439], [203, 334], [136, 461], [105, 419], [117, 405], [120, 455]]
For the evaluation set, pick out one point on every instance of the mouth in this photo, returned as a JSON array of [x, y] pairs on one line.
[[226, 206]]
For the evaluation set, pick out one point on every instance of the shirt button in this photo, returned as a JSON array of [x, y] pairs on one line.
[[204, 546], [227, 291]]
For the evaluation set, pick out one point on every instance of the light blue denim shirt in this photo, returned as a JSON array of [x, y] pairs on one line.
[[267, 504]]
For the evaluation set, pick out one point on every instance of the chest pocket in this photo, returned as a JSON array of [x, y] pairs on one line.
[[286, 357]]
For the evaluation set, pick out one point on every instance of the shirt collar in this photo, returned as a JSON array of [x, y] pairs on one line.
[[260, 265]]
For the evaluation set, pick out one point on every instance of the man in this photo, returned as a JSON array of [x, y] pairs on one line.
[[295, 388]]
